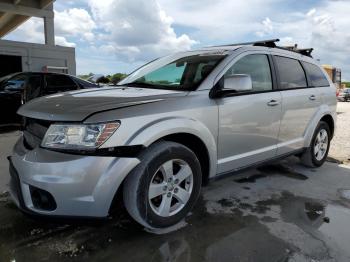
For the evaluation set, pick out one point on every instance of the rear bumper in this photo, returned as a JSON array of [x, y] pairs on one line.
[[81, 186]]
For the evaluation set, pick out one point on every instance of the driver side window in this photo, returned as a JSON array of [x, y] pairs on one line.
[[257, 67]]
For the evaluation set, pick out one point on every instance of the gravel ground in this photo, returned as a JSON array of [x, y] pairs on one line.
[[340, 145]]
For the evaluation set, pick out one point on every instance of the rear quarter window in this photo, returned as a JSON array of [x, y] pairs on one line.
[[59, 83], [315, 75]]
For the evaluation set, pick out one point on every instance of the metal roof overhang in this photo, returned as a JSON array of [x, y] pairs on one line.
[[13, 13]]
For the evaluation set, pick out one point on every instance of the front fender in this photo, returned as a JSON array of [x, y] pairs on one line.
[[156, 130]]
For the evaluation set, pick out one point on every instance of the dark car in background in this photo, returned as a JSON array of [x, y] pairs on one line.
[[19, 88]]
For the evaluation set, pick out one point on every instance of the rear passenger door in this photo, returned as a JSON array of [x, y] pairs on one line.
[[299, 103], [59, 83]]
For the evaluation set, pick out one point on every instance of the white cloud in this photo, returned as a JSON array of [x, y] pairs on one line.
[[137, 30], [62, 41], [220, 20], [31, 31], [267, 28], [68, 23], [325, 29], [74, 22], [323, 26]]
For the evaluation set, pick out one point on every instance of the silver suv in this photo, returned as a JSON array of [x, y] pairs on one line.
[[168, 128]]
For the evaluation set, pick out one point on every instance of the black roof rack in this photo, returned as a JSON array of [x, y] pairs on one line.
[[302, 51], [272, 44], [267, 43]]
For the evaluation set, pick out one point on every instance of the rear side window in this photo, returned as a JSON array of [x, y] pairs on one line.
[[291, 74], [59, 83], [315, 75]]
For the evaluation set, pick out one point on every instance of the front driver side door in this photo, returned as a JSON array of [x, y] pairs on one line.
[[249, 121]]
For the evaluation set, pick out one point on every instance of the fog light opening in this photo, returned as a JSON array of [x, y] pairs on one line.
[[42, 199]]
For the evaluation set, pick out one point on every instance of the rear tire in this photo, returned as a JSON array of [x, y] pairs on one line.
[[164, 187], [316, 154]]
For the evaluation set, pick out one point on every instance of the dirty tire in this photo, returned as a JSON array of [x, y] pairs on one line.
[[136, 186], [308, 158]]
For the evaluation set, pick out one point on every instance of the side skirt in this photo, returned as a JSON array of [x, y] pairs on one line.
[[261, 163]]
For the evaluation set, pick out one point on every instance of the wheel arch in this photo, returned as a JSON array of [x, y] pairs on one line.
[[188, 132], [329, 120], [324, 113], [197, 146]]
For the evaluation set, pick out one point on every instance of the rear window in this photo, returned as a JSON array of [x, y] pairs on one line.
[[315, 75], [291, 74]]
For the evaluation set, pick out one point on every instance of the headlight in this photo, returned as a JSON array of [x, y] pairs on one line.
[[78, 136]]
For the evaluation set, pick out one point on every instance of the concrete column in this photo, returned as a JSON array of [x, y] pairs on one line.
[[49, 30]]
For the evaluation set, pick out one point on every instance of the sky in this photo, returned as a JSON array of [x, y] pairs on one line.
[[120, 35]]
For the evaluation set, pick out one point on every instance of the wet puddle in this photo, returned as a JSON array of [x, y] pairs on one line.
[[337, 229], [282, 170], [205, 237], [283, 227], [271, 170], [250, 179]]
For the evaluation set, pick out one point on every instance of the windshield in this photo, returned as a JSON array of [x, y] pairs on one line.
[[175, 72], [4, 78], [15, 81]]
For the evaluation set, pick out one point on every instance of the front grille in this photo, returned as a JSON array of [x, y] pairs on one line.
[[34, 131]]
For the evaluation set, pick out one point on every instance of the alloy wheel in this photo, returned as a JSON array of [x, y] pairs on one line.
[[170, 188], [321, 144]]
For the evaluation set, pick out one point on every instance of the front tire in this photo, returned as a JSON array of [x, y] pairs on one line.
[[317, 153], [164, 187]]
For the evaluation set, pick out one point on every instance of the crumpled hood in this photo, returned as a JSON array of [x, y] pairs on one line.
[[78, 105]]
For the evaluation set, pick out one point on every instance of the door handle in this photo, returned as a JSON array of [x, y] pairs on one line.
[[312, 97], [273, 103]]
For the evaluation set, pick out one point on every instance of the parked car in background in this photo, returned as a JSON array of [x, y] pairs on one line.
[[344, 95], [168, 128], [18, 88]]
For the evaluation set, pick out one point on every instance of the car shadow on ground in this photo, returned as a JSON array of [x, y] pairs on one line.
[[9, 128], [277, 212]]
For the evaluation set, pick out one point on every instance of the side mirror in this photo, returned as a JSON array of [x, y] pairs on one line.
[[238, 82]]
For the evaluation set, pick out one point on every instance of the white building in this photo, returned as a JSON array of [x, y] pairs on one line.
[[19, 56]]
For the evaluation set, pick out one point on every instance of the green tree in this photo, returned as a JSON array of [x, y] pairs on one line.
[[347, 84], [102, 80], [117, 77]]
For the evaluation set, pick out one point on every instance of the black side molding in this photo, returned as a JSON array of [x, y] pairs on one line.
[[119, 151]]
